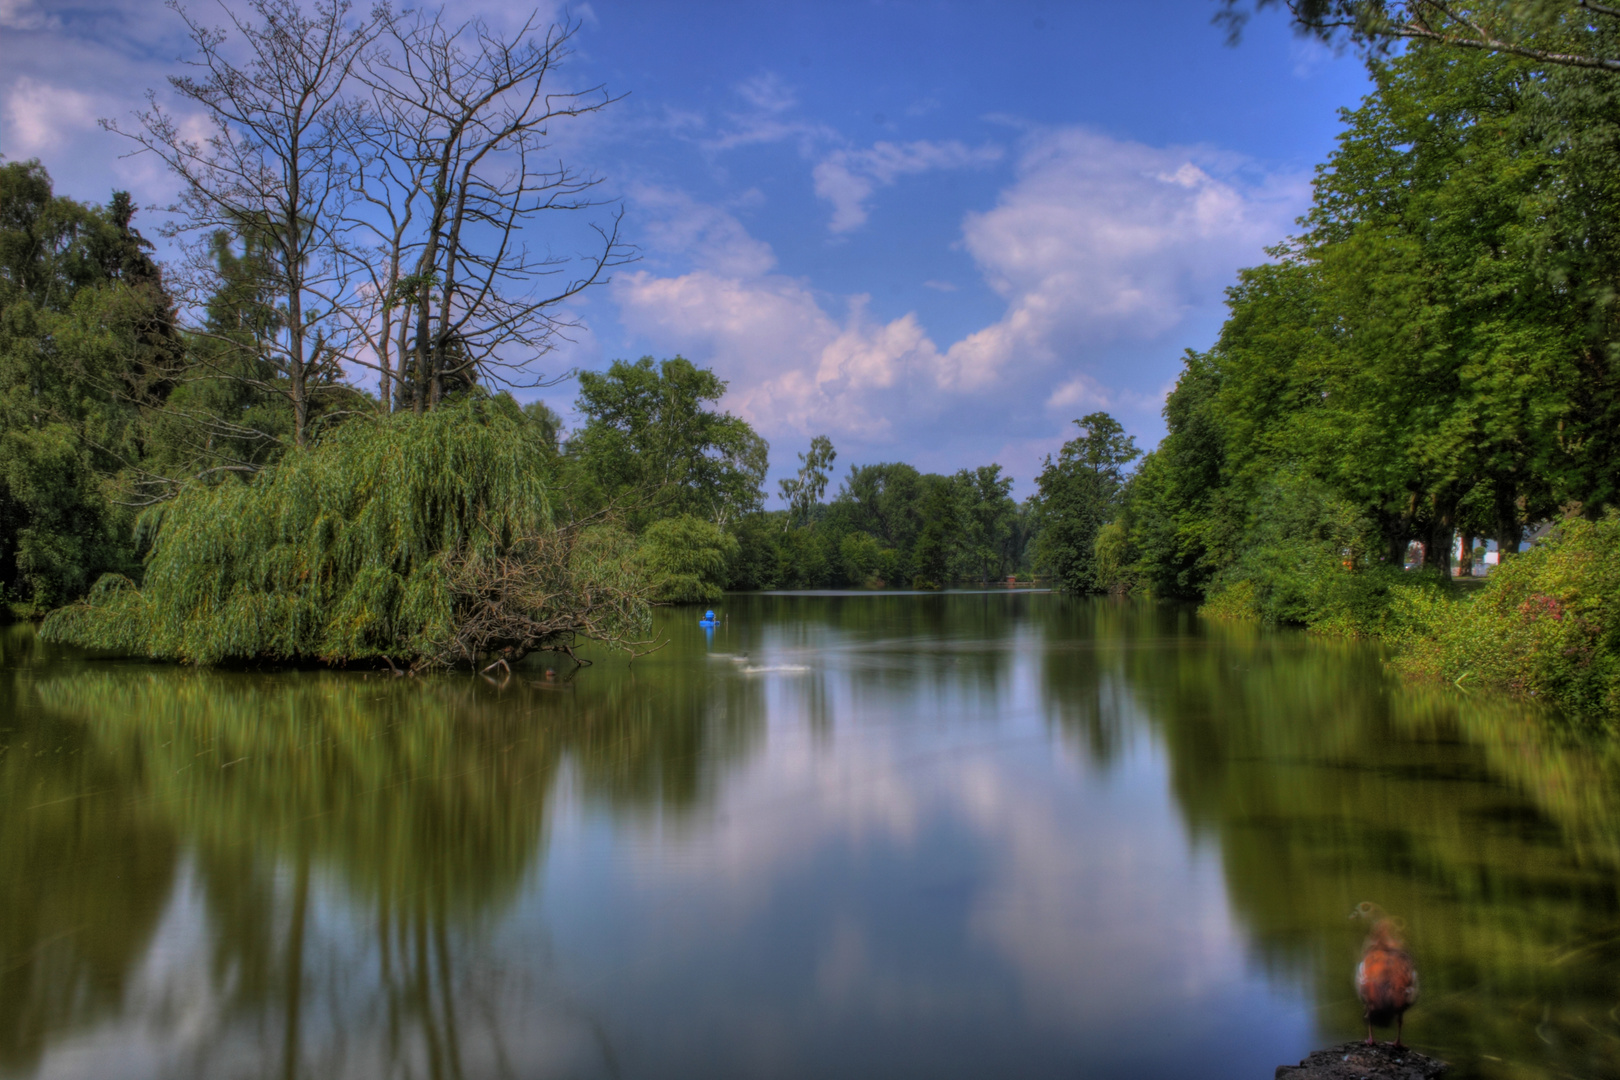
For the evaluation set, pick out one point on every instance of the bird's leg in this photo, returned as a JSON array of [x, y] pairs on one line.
[[1370, 1040], [1400, 1021]]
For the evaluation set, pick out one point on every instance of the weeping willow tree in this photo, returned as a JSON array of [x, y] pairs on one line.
[[422, 540]]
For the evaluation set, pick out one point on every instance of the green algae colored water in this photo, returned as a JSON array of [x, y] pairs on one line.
[[964, 835]]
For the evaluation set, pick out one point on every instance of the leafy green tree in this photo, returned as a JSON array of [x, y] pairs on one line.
[[884, 501], [232, 409], [941, 512], [1454, 360], [1175, 519], [686, 559], [546, 423], [802, 493], [988, 537], [87, 341], [862, 556], [807, 559], [1079, 494], [757, 562], [1436, 350], [649, 444]]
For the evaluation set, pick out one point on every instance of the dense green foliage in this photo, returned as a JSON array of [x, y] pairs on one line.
[[357, 549], [1080, 494], [1435, 356], [86, 338], [686, 557], [105, 406], [889, 524], [1548, 625], [649, 445]]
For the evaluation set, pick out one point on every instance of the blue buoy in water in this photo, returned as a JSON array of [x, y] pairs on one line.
[[708, 619]]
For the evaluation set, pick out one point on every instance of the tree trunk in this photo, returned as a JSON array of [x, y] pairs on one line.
[[1509, 529], [420, 361], [1438, 538], [1465, 562], [1395, 548], [1398, 532], [300, 404]]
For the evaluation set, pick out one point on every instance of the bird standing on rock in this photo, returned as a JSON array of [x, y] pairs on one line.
[[1386, 981]]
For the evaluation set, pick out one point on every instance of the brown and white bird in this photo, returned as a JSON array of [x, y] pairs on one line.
[[1386, 980]]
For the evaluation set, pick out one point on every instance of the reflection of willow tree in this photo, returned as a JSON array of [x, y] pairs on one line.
[[659, 735], [421, 803], [84, 875], [1324, 784], [424, 803]]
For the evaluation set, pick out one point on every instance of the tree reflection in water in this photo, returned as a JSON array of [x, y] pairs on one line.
[[319, 873], [1494, 829], [293, 806]]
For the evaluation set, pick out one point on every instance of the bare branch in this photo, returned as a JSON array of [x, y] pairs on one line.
[[271, 173], [545, 593], [456, 124]]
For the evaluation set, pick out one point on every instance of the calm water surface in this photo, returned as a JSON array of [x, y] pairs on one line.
[[856, 836]]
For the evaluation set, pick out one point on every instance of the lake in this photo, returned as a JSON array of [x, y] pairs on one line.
[[864, 835]]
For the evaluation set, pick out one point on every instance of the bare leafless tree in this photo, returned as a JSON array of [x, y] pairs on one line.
[[452, 170], [271, 172], [385, 175]]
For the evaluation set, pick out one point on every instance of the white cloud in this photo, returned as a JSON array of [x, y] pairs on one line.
[[1101, 239], [1080, 392], [677, 224], [847, 178], [792, 367], [1083, 393], [768, 93], [39, 116], [1099, 246], [24, 15], [768, 99]]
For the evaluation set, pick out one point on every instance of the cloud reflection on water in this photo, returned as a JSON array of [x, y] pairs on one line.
[[954, 835]]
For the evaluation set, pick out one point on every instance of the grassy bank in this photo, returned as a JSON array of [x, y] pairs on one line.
[[1545, 624]]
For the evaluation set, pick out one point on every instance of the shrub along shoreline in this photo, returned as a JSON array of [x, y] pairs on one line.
[[1546, 623]]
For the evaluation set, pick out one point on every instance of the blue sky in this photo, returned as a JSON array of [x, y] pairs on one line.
[[936, 232]]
